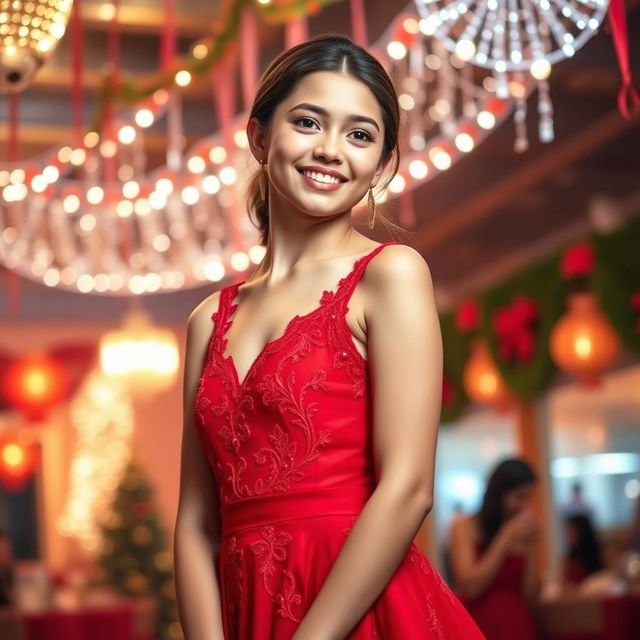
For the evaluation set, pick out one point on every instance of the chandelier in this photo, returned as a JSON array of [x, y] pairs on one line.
[[29, 33], [143, 357], [513, 37]]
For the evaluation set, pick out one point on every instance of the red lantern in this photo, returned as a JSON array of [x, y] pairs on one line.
[[482, 380], [34, 383], [18, 460], [582, 342]]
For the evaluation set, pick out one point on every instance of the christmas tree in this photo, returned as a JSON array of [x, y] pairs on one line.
[[133, 558]]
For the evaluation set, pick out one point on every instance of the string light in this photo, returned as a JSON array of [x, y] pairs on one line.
[[428, 147]]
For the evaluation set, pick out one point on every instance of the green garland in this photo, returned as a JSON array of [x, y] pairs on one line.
[[615, 278], [456, 353], [128, 91]]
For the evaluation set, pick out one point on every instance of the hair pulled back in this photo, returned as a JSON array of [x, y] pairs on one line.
[[324, 53]]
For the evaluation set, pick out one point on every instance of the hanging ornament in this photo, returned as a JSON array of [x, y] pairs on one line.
[[482, 380], [141, 356], [29, 34], [511, 36], [19, 458], [35, 383], [582, 342]]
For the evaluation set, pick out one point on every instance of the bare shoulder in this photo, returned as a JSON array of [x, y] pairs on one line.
[[398, 265], [398, 275], [200, 317], [465, 527]]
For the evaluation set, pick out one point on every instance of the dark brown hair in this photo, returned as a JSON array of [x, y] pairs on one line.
[[330, 52]]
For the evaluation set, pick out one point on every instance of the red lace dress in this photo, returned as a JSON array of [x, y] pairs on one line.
[[291, 451], [501, 610]]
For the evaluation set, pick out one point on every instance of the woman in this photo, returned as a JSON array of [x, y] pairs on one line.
[[493, 555], [310, 431], [583, 557]]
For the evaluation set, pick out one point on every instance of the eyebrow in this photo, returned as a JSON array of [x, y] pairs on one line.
[[323, 112]]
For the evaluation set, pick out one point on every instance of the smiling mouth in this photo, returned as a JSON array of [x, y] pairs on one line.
[[321, 178]]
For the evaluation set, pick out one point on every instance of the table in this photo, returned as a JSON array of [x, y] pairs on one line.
[[114, 622], [579, 617]]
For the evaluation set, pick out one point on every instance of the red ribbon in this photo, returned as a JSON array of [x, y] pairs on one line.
[[224, 97], [296, 31], [627, 93], [168, 42], [249, 57], [77, 62], [13, 281], [359, 23]]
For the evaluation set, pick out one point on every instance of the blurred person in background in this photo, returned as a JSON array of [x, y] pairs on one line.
[[493, 555], [576, 505], [6, 569], [584, 555]]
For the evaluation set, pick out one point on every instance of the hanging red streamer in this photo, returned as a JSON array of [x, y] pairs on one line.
[[627, 93], [77, 64], [249, 57], [168, 42], [13, 281], [359, 23], [296, 31]]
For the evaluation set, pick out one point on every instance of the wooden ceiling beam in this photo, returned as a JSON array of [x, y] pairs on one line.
[[59, 80], [132, 19], [483, 204]]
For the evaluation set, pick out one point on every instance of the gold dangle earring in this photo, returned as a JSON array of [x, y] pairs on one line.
[[372, 208], [263, 180]]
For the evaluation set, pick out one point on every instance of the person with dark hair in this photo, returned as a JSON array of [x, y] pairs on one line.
[[493, 555], [576, 505], [312, 405], [583, 555], [6, 568]]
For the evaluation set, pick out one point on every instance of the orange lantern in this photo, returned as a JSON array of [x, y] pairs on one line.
[[34, 383], [582, 342], [482, 380], [19, 457]]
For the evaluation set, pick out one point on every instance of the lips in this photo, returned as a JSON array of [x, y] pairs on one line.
[[323, 171], [315, 182]]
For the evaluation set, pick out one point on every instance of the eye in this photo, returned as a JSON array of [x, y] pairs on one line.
[[368, 137], [304, 120]]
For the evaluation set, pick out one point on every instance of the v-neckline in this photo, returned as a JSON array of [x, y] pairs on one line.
[[231, 306]]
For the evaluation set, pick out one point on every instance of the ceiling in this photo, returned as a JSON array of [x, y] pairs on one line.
[[490, 213]]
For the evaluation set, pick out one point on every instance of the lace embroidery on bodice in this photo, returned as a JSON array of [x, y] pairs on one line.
[[335, 301], [290, 392]]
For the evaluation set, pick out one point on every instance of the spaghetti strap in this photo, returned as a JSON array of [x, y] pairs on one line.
[[221, 315], [353, 278]]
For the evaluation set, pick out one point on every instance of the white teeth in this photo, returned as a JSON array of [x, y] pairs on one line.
[[321, 177]]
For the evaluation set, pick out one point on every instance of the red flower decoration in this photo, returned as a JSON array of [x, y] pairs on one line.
[[467, 316], [635, 305], [577, 261], [141, 509], [448, 392], [514, 327]]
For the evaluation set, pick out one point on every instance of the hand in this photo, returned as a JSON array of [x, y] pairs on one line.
[[521, 530]]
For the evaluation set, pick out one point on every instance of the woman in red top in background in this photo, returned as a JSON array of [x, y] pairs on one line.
[[493, 555]]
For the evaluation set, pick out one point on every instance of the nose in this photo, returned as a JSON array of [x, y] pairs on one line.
[[328, 150]]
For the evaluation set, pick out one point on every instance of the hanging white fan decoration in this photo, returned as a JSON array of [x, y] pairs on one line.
[[511, 37]]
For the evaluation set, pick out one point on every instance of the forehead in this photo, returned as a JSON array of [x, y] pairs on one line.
[[340, 94]]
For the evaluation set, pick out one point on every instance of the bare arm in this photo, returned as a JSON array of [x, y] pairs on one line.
[[196, 537], [473, 575], [531, 584], [405, 357]]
